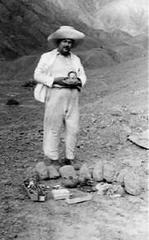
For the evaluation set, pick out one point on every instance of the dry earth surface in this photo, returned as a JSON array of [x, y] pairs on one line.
[[113, 105]]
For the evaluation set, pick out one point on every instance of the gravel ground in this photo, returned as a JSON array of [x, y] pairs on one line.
[[113, 105]]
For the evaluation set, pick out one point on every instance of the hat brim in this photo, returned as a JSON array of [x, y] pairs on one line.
[[76, 42], [73, 34]]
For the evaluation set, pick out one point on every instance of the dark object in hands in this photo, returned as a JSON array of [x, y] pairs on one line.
[[73, 79], [69, 82], [72, 75]]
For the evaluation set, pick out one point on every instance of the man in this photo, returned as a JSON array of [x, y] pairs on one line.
[[60, 76]]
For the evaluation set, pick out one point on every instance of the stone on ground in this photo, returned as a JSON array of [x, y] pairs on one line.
[[98, 172], [84, 173], [67, 172], [121, 175], [140, 139], [31, 173], [52, 172], [116, 189], [70, 182], [69, 176], [42, 170], [109, 172], [132, 183], [12, 101]]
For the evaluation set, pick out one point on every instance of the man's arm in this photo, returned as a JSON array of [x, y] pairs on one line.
[[41, 73], [80, 70]]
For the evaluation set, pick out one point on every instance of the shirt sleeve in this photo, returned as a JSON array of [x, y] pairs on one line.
[[81, 73], [42, 73]]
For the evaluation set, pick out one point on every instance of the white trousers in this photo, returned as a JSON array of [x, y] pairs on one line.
[[61, 109]]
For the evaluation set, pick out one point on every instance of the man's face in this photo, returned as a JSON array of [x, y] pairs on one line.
[[65, 46]]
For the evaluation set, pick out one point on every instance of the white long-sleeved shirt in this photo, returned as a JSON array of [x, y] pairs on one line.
[[45, 71]]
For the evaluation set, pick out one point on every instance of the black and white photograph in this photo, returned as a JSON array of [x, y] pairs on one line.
[[74, 120]]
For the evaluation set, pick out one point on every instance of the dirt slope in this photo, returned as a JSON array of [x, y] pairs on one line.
[[113, 104]]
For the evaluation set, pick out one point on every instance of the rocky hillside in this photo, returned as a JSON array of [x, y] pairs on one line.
[[26, 24], [129, 16]]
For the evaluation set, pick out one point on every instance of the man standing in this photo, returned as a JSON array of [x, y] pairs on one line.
[[60, 76]]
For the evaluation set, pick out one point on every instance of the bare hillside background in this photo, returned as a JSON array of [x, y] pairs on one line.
[[120, 29]]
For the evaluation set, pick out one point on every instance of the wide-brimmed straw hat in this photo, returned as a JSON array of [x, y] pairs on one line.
[[67, 32]]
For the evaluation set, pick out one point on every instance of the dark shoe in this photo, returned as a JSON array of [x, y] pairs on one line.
[[72, 162], [66, 161]]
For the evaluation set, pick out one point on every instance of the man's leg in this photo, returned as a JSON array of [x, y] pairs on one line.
[[72, 125], [52, 124]]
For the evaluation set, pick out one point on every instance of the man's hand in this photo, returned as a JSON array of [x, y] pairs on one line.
[[68, 82], [63, 81], [74, 82], [59, 80]]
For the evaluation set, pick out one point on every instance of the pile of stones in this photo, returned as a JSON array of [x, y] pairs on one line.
[[124, 181]]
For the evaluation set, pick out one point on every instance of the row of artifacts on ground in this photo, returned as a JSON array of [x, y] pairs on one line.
[[103, 179]]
